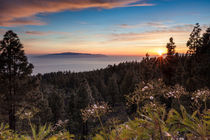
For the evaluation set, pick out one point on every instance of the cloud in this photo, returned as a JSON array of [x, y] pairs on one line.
[[147, 24], [163, 26], [47, 33], [23, 12], [21, 22], [37, 33], [158, 36], [143, 4], [156, 24]]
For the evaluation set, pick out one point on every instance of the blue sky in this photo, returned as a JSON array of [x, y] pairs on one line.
[[115, 27]]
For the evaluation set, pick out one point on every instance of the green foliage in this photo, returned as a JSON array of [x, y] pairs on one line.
[[44, 132], [6, 133], [193, 126]]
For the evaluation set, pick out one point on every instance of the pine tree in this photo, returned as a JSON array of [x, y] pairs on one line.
[[170, 63], [56, 103], [205, 49], [194, 42], [203, 58], [113, 90], [171, 47], [14, 69]]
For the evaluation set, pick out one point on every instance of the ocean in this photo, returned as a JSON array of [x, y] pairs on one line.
[[76, 64]]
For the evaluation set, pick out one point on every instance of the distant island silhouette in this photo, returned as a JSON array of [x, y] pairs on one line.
[[71, 55]]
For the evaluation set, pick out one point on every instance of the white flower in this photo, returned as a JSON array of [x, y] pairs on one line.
[[95, 106], [151, 97], [167, 134], [127, 127], [101, 106], [143, 89], [27, 113]]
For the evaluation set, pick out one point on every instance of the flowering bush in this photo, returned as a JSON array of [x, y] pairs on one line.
[[146, 92], [200, 97], [95, 110], [155, 122]]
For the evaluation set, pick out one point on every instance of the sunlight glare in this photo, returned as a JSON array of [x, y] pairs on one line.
[[160, 52]]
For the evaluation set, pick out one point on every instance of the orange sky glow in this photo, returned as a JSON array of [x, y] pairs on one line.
[[122, 44], [110, 27]]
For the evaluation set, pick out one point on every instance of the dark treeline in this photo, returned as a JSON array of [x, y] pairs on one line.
[[61, 95]]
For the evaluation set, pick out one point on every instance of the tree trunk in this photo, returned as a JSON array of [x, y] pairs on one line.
[[12, 118]]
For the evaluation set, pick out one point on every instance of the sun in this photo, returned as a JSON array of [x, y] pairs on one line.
[[160, 52]]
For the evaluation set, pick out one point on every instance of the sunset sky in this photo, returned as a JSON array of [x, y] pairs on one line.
[[113, 27]]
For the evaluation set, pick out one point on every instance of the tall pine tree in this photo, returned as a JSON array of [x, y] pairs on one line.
[[170, 63], [171, 47], [14, 69], [194, 42]]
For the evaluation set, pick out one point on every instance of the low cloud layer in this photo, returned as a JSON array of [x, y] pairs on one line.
[[147, 24], [23, 12], [161, 32]]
